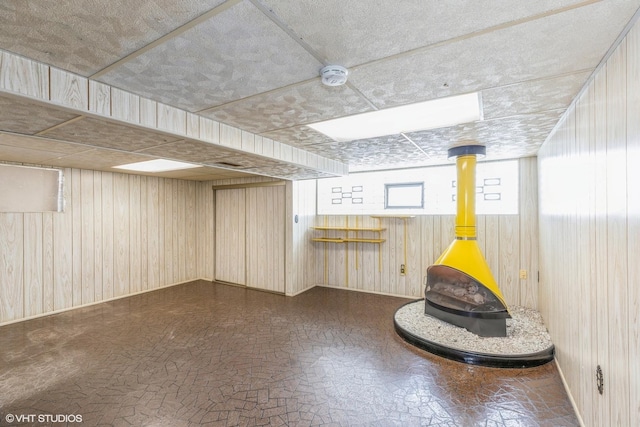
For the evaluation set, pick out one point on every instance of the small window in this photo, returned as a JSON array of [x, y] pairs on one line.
[[404, 196]]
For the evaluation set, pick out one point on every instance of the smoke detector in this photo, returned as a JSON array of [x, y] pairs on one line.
[[334, 75]]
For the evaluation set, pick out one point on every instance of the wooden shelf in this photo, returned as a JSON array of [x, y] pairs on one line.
[[349, 228], [346, 240]]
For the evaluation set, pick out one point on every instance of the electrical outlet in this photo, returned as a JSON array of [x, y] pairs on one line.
[[523, 274], [402, 269]]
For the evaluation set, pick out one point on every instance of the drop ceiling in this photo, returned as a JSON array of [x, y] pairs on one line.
[[254, 64]]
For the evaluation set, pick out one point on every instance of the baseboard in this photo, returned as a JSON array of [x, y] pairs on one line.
[[566, 388], [62, 310], [300, 292], [368, 292]]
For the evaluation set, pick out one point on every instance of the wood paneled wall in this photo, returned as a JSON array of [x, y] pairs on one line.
[[590, 241], [119, 235], [302, 270], [509, 243]]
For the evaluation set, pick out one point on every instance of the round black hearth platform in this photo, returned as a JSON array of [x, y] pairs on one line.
[[426, 333]]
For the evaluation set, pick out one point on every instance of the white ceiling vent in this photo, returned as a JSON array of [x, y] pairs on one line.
[[334, 75]]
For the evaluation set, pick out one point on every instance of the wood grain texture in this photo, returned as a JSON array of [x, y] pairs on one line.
[[69, 89], [33, 264], [230, 136], [172, 119], [125, 106], [108, 242], [99, 98], [617, 234], [24, 76], [230, 236], [265, 238], [374, 268], [11, 273], [633, 217], [589, 227]]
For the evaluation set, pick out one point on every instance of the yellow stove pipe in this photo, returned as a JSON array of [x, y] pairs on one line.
[[463, 253]]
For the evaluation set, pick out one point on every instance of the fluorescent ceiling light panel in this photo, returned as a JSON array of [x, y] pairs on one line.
[[437, 113], [158, 165]]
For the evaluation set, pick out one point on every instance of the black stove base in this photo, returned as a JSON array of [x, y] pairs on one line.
[[480, 326]]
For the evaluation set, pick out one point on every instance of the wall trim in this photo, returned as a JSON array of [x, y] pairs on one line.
[[62, 310], [369, 292], [566, 388]]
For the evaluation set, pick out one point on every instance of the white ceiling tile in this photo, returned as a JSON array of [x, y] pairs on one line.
[[84, 36], [236, 54], [354, 32], [558, 44]]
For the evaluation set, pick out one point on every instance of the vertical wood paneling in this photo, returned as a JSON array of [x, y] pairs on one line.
[[121, 235], [144, 235], [209, 130], [528, 217], [633, 218], [148, 112], [125, 105], [87, 238], [11, 277], [24, 76], [172, 119], [107, 243], [99, 98], [617, 233], [169, 218], [69, 89], [76, 236], [162, 247], [179, 230], [153, 231], [47, 264], [230, 136], [191, 240], [98, 242], [193, 125], [589, 293], [509, 258], [33, 264], [63, 250], [265, 233], [602, 273], [230, 236], [499, 237], [135, 236], [108, 265]]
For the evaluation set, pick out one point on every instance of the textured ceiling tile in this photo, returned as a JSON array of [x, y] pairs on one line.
[[532, 96], [22, 116], [236, 54], [85, 36], [99, 133], [50, 146], [299, 136], [357, 31], [511, 137], [99, 159], [382, 152], [558, 44], [190, 151], [308, 102]]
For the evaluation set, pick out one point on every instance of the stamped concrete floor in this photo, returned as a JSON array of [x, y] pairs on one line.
[[211, 354]]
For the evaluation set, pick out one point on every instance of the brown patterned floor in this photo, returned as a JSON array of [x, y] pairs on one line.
[[217, 355]]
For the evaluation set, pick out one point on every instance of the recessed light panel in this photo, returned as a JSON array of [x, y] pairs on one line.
[[432, 114], [158, 165]]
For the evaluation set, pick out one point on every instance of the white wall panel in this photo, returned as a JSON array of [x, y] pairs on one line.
[[589, 216]]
